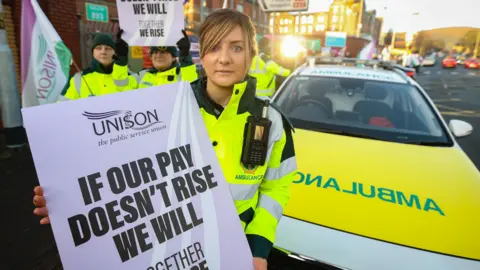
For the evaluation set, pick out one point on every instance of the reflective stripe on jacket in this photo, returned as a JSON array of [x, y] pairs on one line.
[[264, 70], [187, 71], [94, 82], [260, 193], [152, 77]]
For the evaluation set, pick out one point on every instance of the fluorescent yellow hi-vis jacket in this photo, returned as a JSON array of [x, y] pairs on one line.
[[97, 81], [264, 70], [186, 71], [260, 193]]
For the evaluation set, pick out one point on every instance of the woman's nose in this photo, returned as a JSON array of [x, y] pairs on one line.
[[224, 57]]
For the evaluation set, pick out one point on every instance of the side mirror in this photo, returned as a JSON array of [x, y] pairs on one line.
[[460, 128]]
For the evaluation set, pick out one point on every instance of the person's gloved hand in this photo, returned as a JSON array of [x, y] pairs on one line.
[[121, 45], [184, 44], [265, 57], [121, 49]]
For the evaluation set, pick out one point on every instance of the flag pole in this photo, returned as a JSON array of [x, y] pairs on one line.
[[85, 81]]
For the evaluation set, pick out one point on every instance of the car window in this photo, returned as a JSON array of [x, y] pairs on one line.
[[375, 109]]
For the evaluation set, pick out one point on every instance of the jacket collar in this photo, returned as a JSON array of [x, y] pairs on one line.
[[97, 67], [243, 98], [170, 71]]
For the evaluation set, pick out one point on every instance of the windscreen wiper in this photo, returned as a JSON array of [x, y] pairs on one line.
[[429, 143], [348, 133]]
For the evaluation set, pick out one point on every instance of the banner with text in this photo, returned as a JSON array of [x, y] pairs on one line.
[[195, 51], [132, 182], [151, 22]]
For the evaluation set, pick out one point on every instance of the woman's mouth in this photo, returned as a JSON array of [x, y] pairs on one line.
[[224, 72]]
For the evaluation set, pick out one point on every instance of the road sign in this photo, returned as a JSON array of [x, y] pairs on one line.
[[97, 13], [335, 39], [314, 45], [283, 5], [137, 52]]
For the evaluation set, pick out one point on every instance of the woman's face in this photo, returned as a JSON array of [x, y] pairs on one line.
[[226, 65], [103, 54], [162, 60]]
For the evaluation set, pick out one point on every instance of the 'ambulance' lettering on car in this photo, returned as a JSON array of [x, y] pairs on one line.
[[370, 191], [352, 74]]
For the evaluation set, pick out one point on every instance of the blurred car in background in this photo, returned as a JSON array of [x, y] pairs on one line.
[[461, 59], [429, 60], [449, 62], [472, 63]]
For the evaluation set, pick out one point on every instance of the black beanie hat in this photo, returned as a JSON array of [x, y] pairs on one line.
[[171, 49], [103, 39]]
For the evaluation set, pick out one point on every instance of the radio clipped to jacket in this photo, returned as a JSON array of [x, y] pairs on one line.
[[255, 138]]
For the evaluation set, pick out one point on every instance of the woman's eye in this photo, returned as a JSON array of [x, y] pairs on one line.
[[215, 48], [237, 48]]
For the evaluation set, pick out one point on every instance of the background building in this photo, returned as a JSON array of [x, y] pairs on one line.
[[197, 10], [400, 42], [342, 16], [303, 24], [336, 16], [311, 23], [377, 30]]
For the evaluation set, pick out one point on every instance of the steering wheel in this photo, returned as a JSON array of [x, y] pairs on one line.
[[318, 103]]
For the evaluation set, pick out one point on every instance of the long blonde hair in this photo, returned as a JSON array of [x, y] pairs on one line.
[[219, 24]]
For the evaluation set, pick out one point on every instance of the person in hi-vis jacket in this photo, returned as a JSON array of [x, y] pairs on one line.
[[165, 68], [107, 74], [264, 69]]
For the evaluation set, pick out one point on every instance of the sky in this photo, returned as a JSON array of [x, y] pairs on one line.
[[432, 13]]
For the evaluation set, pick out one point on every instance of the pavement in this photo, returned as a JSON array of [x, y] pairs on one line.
[[25, 244]]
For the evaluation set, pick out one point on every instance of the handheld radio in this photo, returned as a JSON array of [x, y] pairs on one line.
[[255, 138]]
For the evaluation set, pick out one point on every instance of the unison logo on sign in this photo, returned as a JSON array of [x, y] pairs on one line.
[[113, 121]]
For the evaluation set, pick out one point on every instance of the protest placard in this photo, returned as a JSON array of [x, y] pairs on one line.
[[151, 22], [132, 182], [195, 51]]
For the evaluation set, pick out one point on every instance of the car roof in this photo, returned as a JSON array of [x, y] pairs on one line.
[[367, 73]]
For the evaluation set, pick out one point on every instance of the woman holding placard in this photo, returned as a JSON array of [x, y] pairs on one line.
[[252, 139]]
